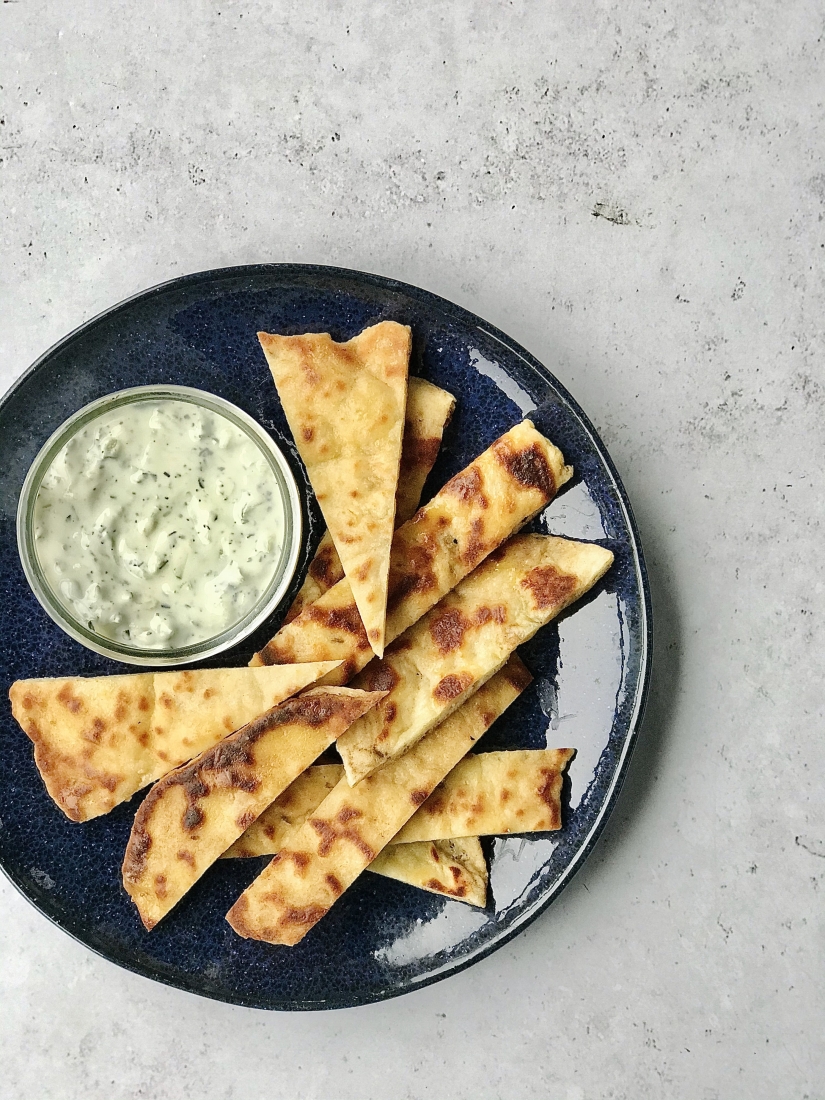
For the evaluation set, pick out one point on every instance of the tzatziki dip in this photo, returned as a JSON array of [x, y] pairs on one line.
[[159, 524]]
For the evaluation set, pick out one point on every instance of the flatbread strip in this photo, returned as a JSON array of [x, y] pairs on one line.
[[193, 814], [453, 868], [345, 406], [352, 825], [466, 638], [428, 413], [493, 793], [486, 794], [494, 496], [98, 740]]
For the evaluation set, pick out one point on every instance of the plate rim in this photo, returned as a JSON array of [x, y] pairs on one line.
[[407, 985]]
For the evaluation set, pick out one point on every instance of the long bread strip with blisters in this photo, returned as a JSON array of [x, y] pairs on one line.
[[466, 638], [486, 794], [428, 412], [99, 739], [193, 814], [324, 856], [466, 520]]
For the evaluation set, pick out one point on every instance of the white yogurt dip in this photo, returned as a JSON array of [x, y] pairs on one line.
[[159, 524]]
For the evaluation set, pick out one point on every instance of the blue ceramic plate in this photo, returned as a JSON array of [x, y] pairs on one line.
[[591, 667]]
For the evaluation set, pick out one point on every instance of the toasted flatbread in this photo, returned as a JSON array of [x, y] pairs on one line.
[[491, 793], [345, 405], [452, 868], [428, 412], [466, 638], [455, 868], [516, 791], [444, 541], [98, 740], [289, 810], [325, 855], [195, 812]]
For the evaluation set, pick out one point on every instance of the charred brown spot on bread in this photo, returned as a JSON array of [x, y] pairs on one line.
[[167, 701], [143, 703], [329, 835], [208, 693], [346, 619], [244, 820], [476, 547], [69, 701], [549, 586], [419, 796], [160, 886], [504, 794], [122, 705], [275, 654], [324, 567], [95, 731], [434, 884], [435, 803], [193, 818], [527, 465], [380, 676], [137, 851], [28, 701], [334, 884], [363, 570], [304, 914], [487, 718], [347, 813], [307, 433], [414, 574], [110, 782], [187, 857], [390, 713], [300, 859], [455, 872], [548, 792], [448, 627], [450, 687], [348, 669], [419, 452], [468, 486], [518, 675], [435, 856]]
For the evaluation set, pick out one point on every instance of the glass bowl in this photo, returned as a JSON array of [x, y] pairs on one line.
[[283, 570]]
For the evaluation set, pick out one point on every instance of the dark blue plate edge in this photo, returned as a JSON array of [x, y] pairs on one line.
[[646, 618]]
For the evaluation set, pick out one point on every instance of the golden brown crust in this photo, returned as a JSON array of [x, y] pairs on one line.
[[351, 826], [345, 404], [464, 640], [193, 814], [98, 740], [444, 541], [428, 412]]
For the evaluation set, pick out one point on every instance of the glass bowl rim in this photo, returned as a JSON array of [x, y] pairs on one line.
[[232, 635]]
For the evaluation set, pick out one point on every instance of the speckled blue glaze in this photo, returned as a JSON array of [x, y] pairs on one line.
[[591, 667]]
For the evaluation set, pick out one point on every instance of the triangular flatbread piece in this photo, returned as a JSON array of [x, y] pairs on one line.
[[345, 404], [98, 739]]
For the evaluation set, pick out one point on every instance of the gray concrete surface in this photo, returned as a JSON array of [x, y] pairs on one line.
[[636, 193]]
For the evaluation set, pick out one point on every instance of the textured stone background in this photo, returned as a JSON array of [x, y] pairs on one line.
[[636, 193]]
